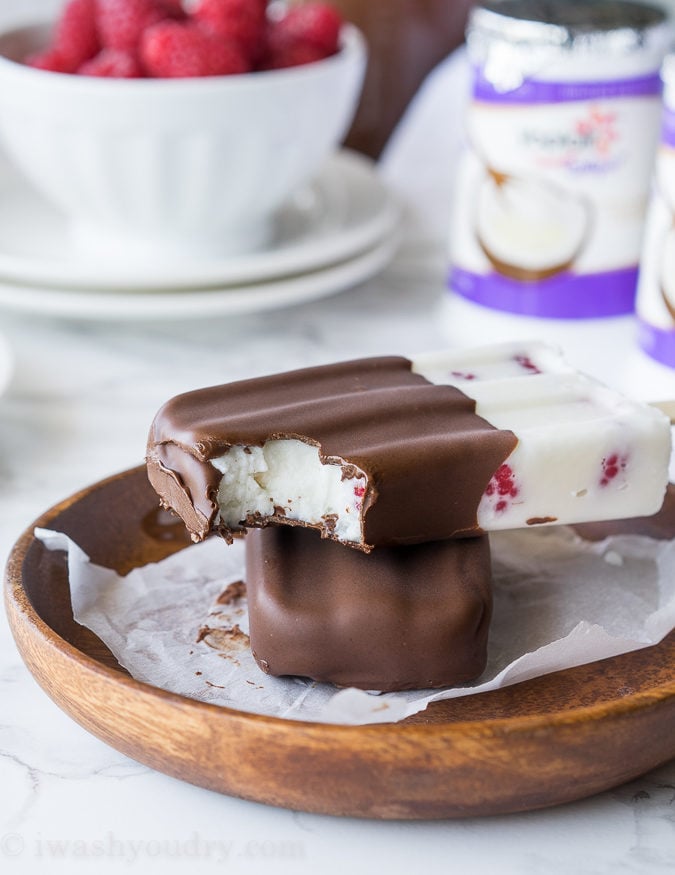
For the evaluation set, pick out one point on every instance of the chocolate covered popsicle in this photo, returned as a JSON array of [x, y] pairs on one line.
[[398, 618], [387, 451], [366, 451]]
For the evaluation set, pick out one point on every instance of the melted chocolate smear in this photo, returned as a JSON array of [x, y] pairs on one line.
[[232, 593], [224, 640]]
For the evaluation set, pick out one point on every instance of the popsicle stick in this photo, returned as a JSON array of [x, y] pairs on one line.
[[667, 407]]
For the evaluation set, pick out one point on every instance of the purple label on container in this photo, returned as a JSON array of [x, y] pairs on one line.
[[565, 296], [668, 127], [538, 91], [659, 343]]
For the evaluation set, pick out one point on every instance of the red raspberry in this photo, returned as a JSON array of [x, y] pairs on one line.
[[315, 23], [121, 22], [612, 466], [243, 21], [501, 487], [173, 8], [304, 34], [172, 49], [75, 36], [113, 64], [291, 55], [526, 364], [48, 60]]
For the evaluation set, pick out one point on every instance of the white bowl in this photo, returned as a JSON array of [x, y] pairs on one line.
[[174, 168]]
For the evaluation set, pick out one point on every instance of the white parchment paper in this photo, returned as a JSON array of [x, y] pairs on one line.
[[559, 601]]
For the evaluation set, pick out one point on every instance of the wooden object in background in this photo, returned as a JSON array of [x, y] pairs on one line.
[[406, 40]]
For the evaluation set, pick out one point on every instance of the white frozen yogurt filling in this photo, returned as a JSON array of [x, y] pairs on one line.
[[287, 478]]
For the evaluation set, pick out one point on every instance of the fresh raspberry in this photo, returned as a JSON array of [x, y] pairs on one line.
[[173, 8], [315, 23], [121, 22], [291, 55], [172, 50], [243, 21], [304, 34], [48, 60], [76, 35], [113, 64]]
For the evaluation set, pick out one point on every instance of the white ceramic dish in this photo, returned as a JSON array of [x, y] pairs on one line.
[[344, 211], [203, 303], [174, 168]]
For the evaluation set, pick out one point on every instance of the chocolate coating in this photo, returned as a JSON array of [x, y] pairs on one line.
[[398, 618], [426, 454]]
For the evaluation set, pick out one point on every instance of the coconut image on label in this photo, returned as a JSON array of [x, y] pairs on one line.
[[530, 229]]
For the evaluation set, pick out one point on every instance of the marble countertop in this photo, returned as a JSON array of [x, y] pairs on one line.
[[78, 408]]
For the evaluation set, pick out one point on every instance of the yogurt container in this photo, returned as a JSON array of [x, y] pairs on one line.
[[561, 130], [656, 287]]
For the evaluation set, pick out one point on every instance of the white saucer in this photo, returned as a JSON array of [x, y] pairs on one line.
[[203, 303], [345, 211]]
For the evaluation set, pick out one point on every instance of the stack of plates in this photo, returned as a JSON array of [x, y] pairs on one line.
[[335, 233]]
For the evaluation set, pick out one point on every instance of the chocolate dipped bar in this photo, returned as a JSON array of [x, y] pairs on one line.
[[367, 451], [391, 451], [398, 618]]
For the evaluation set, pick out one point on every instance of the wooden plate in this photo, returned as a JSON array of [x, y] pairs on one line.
[[547, 741]]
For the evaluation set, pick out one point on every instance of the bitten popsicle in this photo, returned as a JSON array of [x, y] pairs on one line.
[[386, 451]]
